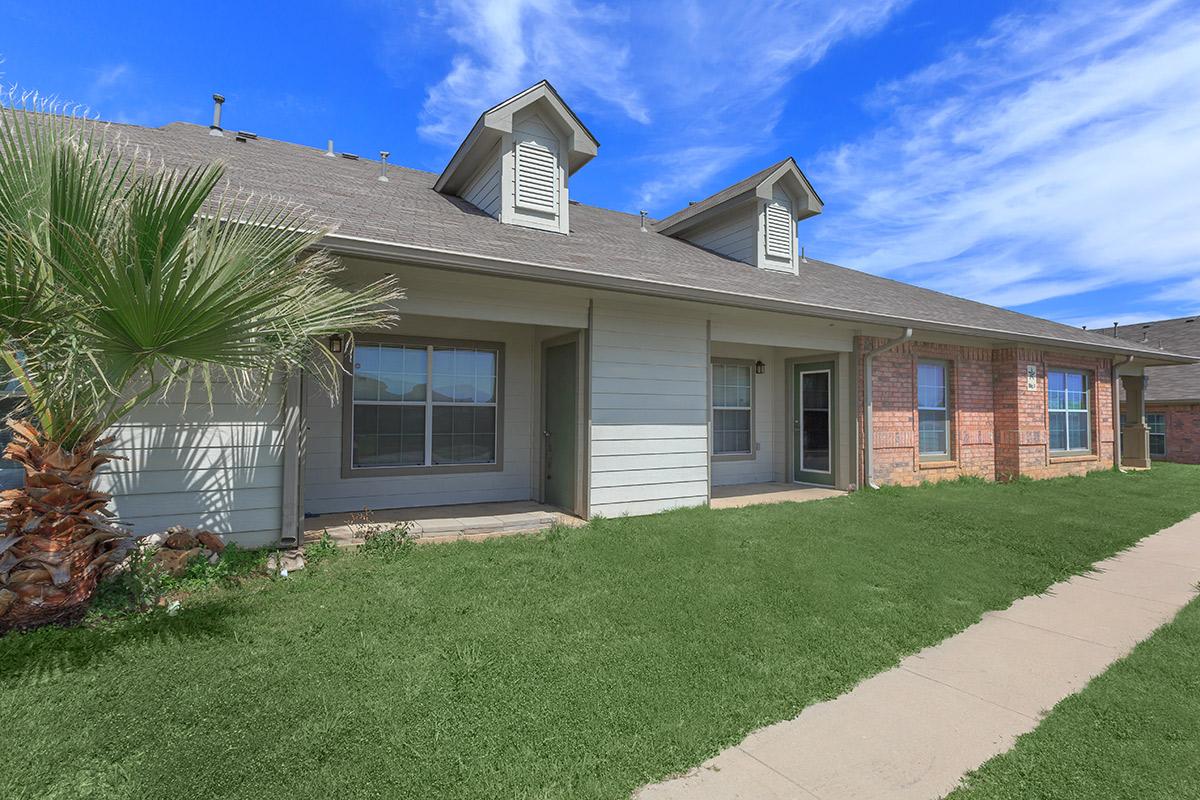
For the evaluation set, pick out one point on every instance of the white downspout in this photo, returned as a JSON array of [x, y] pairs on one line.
[[1116, 399], [868, 403]]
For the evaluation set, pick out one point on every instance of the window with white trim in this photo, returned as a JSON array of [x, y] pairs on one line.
[[1157, 423], [733, 408], [933, 410], [1068, 400], [424, 405]]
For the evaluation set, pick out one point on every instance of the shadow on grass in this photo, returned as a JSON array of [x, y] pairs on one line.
[[41, 656]]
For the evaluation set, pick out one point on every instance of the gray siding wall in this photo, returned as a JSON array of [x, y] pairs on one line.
[[649, 407], [326, 491], [734, 235], [484, 190], [768, 412], [219, 468]]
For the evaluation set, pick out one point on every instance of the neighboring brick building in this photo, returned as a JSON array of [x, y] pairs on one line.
[[1172, 393], [996, 409]]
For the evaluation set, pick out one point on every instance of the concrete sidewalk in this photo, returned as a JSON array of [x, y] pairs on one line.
[[916, 730]]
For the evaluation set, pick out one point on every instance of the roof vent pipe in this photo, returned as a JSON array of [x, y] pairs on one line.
[[1114, 330], [644, 229], [803, 258], [329, 149], [215, 128], [383, 156], [869, 401]]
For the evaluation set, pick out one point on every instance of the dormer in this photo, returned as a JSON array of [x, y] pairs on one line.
[[516, 163], [753, 221]]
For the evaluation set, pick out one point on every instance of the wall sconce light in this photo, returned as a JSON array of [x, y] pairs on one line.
[[335, 343], [759, 368]]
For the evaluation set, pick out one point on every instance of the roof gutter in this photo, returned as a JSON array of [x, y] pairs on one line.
[[869, 403], [571, 276]]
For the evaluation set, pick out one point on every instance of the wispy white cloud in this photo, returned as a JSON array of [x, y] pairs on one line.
[[506, 45], [110, 76], [1057, 155], [712, 77]]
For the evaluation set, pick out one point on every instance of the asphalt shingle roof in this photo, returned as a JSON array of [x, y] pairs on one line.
[[407, 211], [1180, 335], [720, 197]]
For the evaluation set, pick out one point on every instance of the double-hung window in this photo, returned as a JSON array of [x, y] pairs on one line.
[[419, 405], [1070, 408], [1157, 423], [732, 412], [933, 410]]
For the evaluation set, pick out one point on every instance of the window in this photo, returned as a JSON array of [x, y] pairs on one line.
[[12, 474], [424, 405], [933, 410], [1069, 401], [1157, 423], [732, 398]]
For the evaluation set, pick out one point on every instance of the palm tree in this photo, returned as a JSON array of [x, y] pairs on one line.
[[120, 279]]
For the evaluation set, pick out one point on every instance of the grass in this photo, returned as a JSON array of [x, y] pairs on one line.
[[576, 664], [1132, 732]]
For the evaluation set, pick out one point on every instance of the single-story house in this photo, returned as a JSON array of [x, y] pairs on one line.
[[1172, 393], [607, 363]]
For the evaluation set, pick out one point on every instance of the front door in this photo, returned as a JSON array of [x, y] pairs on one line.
[[813, 445], [560, 403]]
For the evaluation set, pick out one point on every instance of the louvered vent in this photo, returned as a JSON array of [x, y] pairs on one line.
[[779, 232], [537, 176]]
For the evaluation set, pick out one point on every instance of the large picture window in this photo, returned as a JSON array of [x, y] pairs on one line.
[[933, 410], [424, 405], [1157, 423], [733, 408], [1069, 402]]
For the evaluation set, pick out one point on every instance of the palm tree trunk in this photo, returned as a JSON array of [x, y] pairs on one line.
[[56, 537]]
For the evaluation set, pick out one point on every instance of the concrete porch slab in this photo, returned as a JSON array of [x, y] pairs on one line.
[[442, 523], [750, 494]]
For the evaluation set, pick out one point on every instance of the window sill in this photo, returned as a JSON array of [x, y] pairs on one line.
[[718, 457], [1068, 458], [438, 469], [946, 464]]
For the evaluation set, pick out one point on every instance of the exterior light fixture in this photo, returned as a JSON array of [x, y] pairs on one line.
[[759, 368], [335, 343]]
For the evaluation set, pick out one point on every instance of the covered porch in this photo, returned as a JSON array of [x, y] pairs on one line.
[[443, 421], [782, 409]]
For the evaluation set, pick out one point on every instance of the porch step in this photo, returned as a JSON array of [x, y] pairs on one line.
[[443, 523]]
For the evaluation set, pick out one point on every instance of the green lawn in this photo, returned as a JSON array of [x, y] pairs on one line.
[[579, 664], [1134, 732]]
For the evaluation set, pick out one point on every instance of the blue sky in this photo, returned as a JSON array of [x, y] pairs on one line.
[[1040, 156]]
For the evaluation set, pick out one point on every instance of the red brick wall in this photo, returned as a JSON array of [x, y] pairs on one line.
[[1183, 432], [999, 427]]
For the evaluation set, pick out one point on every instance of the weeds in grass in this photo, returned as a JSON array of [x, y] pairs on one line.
[[233, 565], [323, 549], [388, 542], [142, 585], [136, 588]]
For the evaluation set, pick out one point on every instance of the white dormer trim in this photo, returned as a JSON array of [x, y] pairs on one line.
[[533, 177], [777, 231], [754, 220], [579, 146]]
